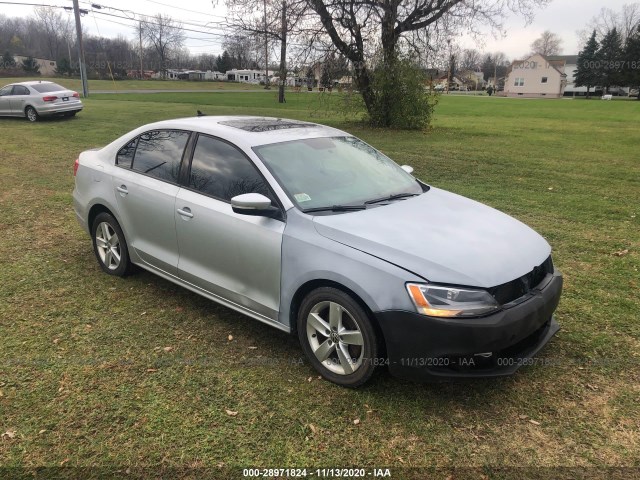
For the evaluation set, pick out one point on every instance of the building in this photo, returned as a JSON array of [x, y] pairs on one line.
[[215, 75], [47, 67], [247, 76], [536, 77]]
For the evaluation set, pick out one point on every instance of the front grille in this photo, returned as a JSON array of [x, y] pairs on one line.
[[510, 291]]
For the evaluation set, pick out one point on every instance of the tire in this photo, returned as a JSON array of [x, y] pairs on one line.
[[31, 114], [109, 244], [332, 328]]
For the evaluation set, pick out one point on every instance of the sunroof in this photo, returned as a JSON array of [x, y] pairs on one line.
[[265, 124]]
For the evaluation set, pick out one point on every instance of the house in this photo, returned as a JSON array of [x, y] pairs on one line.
[[47, 67], [536, 77], [215, 75], [474, 80], [569, 64], [247, 76]]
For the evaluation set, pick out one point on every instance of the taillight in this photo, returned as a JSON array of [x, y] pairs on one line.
[[76, 95], [75, 166], [49, 98]]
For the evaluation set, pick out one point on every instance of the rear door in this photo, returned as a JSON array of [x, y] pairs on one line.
[[19, 97], [146, 185], [5, 100], [233, 256]]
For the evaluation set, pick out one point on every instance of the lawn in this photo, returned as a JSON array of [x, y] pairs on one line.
[[102, 372], [75, 84]]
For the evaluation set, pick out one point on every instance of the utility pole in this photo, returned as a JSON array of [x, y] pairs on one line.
[[266, 50], [83, 70], [141, 70]]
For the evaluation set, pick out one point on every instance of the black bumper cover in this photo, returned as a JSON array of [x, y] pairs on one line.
[[427, 348]]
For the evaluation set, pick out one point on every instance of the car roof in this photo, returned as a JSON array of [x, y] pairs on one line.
[[249, 131], [31, 82]]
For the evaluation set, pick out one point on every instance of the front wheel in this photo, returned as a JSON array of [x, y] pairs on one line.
[[31, 114], [337, 336], [110, 246]]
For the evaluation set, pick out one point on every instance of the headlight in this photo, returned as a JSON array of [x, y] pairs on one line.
[[437, 301]]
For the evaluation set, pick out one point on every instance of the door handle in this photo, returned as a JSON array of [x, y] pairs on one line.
[[185, 212], [122, 189]]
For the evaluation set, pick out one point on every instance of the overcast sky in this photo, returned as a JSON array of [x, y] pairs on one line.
[[564, 17]]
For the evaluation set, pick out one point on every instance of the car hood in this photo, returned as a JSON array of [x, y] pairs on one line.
[[442, 237]]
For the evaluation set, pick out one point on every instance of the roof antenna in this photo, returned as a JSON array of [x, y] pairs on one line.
[[200, 114]]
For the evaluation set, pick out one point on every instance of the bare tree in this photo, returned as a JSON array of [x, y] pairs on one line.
[[470, 59], [279, 23], [355, 27], [626, 22], [547, 44], [164, 35], [55, 27]]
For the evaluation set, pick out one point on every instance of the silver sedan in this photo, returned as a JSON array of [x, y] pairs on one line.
[[38, 99], [312, 231]]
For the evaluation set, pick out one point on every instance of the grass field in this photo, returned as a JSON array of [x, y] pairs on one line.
[[98, 371], [75, 84]]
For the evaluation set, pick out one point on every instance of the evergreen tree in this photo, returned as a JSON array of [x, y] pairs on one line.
[[632, 58], [609, 55], [29, 65], [325, 77], [7, 61], [587, 73], [223, 63], [63, 67]]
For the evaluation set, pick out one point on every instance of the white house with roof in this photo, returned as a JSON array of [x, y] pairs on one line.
[[247, 76], [536, 77]]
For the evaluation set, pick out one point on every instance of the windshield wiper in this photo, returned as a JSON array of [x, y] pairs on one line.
[[396, 196], [336, 208]]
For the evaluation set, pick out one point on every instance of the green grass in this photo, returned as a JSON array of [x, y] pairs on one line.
[[85, 379], [75, 84]]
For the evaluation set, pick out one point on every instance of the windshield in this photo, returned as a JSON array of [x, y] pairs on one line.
[[323, 172], [47, 87]]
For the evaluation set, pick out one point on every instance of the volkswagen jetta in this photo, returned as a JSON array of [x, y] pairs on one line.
[[312, 231]]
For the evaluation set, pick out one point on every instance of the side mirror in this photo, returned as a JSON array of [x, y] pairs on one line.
[[407, 168], [254, 204]]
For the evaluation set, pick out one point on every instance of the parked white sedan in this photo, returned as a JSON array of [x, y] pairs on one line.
[[38, 99]]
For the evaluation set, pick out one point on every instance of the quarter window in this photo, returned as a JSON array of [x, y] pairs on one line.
[[125, 154], [159, 154], [222, 171]]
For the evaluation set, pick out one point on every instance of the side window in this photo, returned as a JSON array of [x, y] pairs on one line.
[[4, 91], [20, 90], [124, 158], [222, 171], [159, 154]]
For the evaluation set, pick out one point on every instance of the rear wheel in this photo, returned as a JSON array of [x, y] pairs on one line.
[[31, 114], [110, 246], [337, 337]]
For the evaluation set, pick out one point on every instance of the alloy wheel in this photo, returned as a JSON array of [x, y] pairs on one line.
[[108, 246], [335, 338]]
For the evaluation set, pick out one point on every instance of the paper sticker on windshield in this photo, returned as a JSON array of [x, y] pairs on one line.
[[302, 197]]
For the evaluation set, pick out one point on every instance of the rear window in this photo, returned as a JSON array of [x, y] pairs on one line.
[[47, 87]]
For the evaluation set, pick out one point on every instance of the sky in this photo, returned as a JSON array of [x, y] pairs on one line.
[[563, 17]]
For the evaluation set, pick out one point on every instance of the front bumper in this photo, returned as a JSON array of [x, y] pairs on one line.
[[423, 348]]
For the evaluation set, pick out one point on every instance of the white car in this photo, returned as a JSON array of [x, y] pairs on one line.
[[38, 99]]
